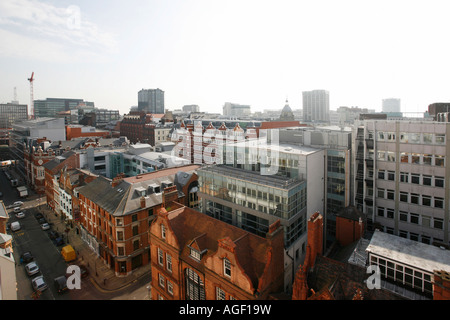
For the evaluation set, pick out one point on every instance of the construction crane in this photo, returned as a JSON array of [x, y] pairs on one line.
[[31, 79]]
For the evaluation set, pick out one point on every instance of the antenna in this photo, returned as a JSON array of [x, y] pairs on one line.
[[31, 79]]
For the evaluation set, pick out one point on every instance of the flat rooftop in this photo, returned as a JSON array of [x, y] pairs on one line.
[[419, 255], [262, 143]]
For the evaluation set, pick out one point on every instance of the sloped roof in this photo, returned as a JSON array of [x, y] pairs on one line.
[[191, 226], [332, 279], [123, 198]]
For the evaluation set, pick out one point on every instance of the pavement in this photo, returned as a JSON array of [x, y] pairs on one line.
[[100, 274]]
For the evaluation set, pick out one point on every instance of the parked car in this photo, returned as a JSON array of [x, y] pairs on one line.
[[58, 241], [42, 221], [53, 234], [17, 203], [17, 209], [45, 226], [26, 257], [38, 215], [60, 284], [32, 268], [39, 283], [20, 215]]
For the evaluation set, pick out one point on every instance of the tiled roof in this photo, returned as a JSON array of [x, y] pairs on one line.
[[192, 226]]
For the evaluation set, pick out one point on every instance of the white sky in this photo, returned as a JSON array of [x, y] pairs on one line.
[[208, 52]]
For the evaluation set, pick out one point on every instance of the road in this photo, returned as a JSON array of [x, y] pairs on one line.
[[50, 261]]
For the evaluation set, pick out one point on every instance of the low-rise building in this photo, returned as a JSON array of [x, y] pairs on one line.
[[115, 214]]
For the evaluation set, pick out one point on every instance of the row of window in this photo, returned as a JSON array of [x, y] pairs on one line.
[[412, 137], [414, 198], [413, 218], [415, 178], [412, 158], [403, 274]]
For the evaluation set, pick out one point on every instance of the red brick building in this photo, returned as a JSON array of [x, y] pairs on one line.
[[115, 214], [77, 131], [132, 125], [196, 257], [349, 225]]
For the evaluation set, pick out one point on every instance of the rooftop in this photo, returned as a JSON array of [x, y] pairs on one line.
[[413, 253]]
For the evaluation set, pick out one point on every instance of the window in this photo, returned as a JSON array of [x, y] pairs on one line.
[[390, 213], [170, 287], [440, 138], [162, 282], [404, 216], [439, 182], [438, 223], [381, 174], [220, 294], [415, 158], [227, 267], [135, 230], [169, 262], [427, 138], [381, 155], [403, 196], [427, 159], [439, 160], [404, 157], [414, 198], [391, 175], [404, 177], [390, 194], [414, 218], [134, 217], [415, 178], [160, 257], [380, 136], [195, 254], [391, 156], [426, 180], [438, 202], [163, 231], [136, 245], [426, 201], [380, 211], [380, 193]]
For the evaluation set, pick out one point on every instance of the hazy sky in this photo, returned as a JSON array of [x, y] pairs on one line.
[[208, 52]]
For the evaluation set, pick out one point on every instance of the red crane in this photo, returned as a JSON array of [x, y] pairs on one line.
[[31, 79]]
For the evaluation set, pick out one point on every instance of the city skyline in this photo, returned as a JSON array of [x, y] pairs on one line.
[[207, 53]]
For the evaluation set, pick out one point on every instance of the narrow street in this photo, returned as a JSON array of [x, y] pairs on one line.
[[48, 256]]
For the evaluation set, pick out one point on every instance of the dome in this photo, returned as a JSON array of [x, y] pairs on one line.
[[286, 113]]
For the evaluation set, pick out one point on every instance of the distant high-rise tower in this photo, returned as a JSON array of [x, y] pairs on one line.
[[316, 106], [151, 100], [391, 105]]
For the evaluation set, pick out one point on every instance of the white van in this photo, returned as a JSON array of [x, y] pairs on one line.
[[15, 226]]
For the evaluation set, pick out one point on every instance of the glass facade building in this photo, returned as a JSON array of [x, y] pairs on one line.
[[253, 202]]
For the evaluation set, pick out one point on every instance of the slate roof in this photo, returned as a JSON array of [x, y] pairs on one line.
[[57, 160], [123, 198]]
